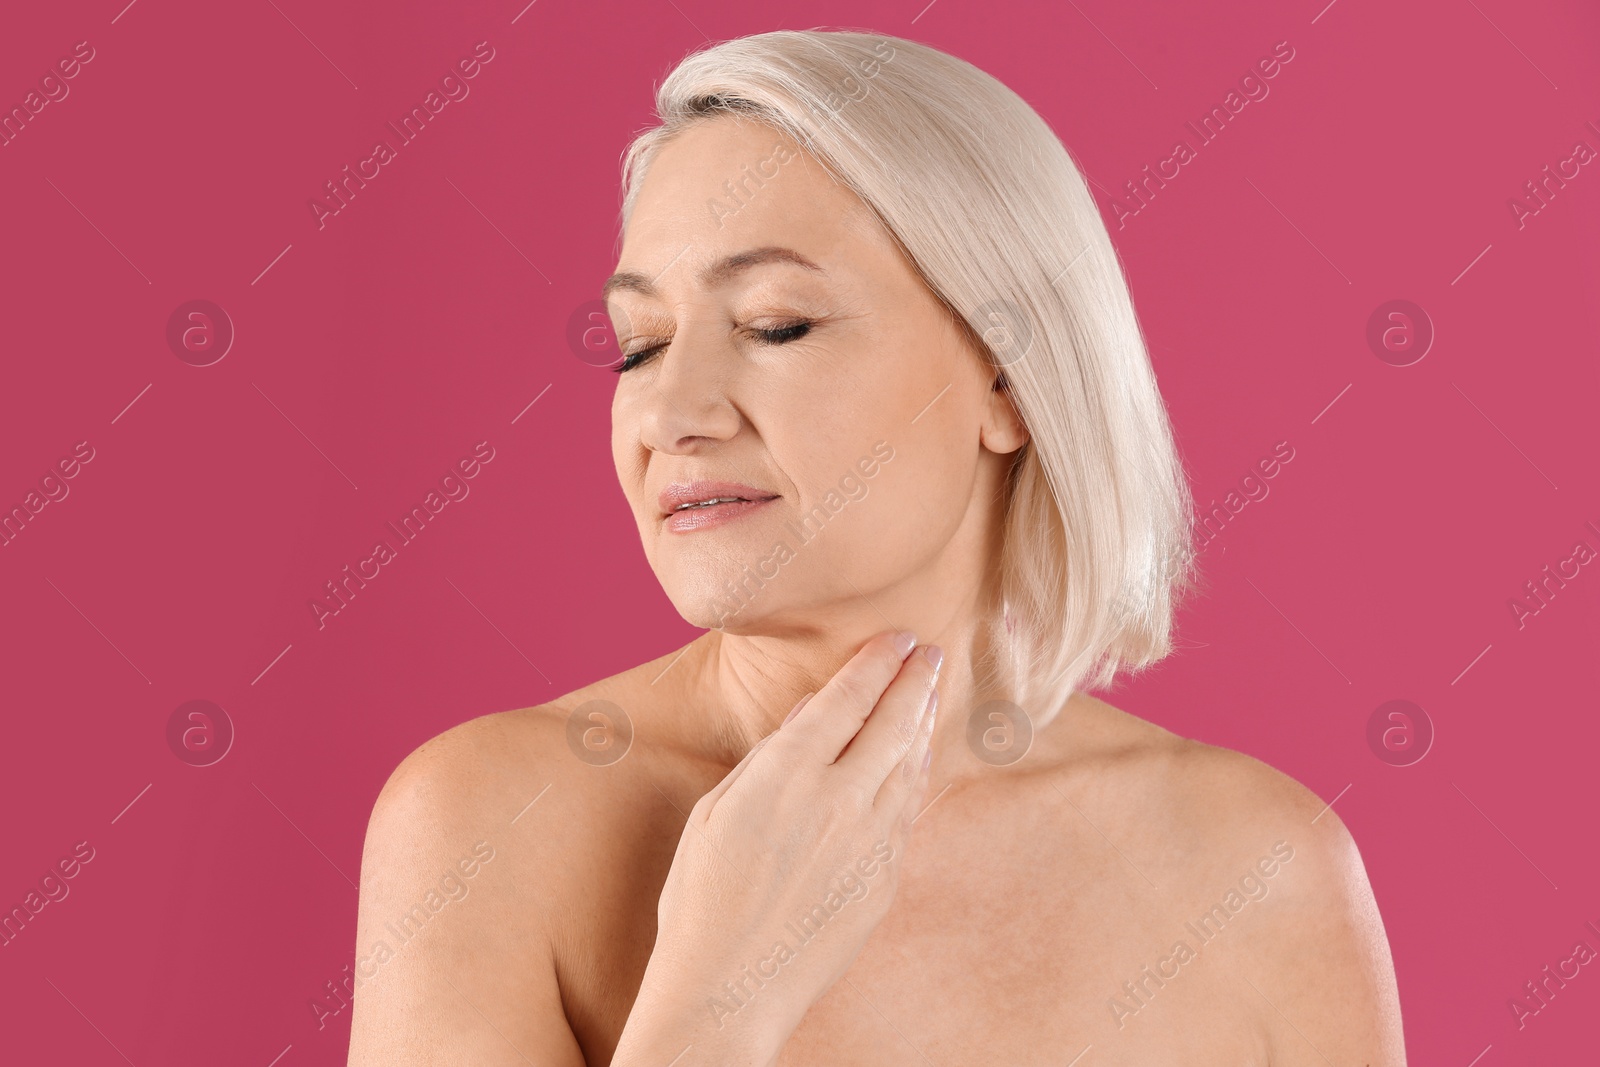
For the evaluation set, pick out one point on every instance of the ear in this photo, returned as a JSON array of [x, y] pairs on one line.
[[1003, 430]]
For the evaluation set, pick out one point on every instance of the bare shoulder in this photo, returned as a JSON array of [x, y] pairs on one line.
[[473, 770], [453, 963], [473, 874], [1222, 801], [543, 778], [1242, 807], [461, 777], [1263, 866], [582, 801]]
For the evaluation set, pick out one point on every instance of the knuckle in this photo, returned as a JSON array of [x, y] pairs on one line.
[[890, 868], [864, 796], [854, 803], [852, 811], [788, 755], [906, 728], [851, 688]]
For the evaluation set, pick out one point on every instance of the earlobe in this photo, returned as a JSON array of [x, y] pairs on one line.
[[1004, 431]]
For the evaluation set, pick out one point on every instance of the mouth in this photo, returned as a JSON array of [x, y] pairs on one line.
[[713, 502], [699, 505]]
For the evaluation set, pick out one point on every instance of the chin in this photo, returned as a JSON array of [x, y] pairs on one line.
[[723, 596], [708, 587], [708, 609]]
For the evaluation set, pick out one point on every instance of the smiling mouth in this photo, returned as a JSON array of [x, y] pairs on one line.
[[712, 512], [714, 501]]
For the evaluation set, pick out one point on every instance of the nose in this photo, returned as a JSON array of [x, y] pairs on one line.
[[688, 400]]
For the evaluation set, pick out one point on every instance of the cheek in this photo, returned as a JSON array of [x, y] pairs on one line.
[[626, 452], [832, 398], [835, 423], [883, 512], [816, 421], [618, 437], [928, 486]]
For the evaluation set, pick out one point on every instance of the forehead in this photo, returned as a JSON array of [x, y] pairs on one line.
[[730, 183]]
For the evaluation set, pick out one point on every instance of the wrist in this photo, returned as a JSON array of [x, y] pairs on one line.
[[686, 1018]]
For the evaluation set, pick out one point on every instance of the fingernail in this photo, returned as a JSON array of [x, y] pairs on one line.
[[904, 642], [927, 759], [798, 706], [934, 655], [933, 703]]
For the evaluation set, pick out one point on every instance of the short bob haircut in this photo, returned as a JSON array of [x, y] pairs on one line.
[[989, 208]]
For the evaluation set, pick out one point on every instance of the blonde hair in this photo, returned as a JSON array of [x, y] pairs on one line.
[[989, 208]]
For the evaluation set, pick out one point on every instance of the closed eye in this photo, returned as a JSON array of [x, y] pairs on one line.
[[779, 335]]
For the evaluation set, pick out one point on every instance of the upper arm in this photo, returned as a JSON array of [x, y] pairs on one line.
[[1321, 967], [453, 965]]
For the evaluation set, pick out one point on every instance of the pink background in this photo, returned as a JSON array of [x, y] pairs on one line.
[[428, 314]]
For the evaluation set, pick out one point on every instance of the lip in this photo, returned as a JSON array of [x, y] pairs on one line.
[[677, 494]]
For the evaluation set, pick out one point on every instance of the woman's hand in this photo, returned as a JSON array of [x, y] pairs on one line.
[[787, 866]]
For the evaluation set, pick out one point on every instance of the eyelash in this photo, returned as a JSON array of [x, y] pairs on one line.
[[780, 335]]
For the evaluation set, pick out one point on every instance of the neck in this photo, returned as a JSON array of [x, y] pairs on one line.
[[749, 682], [745, 683]]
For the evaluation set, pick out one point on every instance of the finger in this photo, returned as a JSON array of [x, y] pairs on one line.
[[717, 791], [904, 797], [803, 701], [892, 728], [706, 803], [903, 781], [834, 716]]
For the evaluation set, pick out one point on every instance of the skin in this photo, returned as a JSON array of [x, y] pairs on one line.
[[1023, 897]]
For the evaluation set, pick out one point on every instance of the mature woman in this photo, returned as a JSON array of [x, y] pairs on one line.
[[889, 433]]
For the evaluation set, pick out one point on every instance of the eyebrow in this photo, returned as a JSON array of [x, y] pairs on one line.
[[716, 274]]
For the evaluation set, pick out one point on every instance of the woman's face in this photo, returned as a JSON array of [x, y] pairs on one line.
[[776, 338]]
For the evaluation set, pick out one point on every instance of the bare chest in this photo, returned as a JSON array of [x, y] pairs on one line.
[[1022, 937], [1015, 946]]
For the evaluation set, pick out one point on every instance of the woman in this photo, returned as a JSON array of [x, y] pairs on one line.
[[889, 432]]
